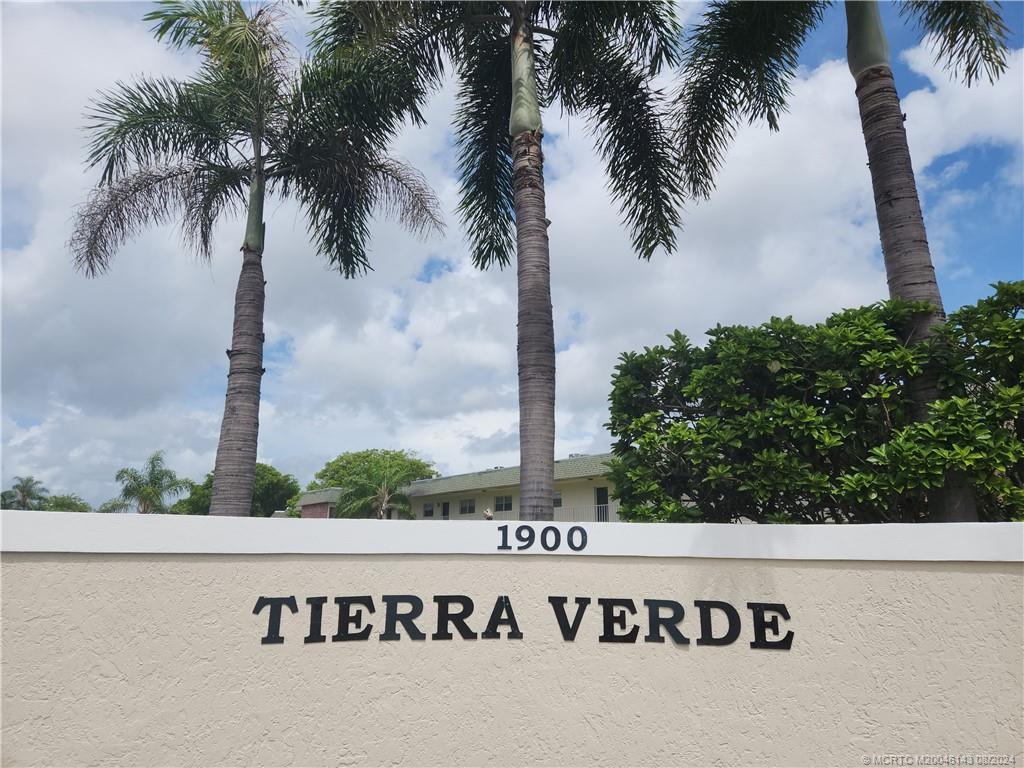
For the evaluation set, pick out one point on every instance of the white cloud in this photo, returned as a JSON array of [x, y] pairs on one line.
[[99, 373], [948, 116]]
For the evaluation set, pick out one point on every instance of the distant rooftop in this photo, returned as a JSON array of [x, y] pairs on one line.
[[329, 495], [577, 465]]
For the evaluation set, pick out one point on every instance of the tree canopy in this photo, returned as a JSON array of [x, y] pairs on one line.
[[315, 131], [371, 481], [596, 59], [272, 492], [146, 489], [786, 422], [67, 502], [25, 493]]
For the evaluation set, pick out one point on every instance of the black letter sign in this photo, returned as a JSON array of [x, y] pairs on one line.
[[348, 621], [707, 636], [558, 604], [392, 617], [316, 615], [760, 625], [445, 617], [502, 615], [609, 604], [273, 636], [656, 621]]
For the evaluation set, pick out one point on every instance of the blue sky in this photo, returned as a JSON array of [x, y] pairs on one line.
[[420, 353]]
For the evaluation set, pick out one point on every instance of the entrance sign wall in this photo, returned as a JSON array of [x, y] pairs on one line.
[[159, 640]]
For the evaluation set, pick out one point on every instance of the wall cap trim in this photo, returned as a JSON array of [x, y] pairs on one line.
[[22, 531]]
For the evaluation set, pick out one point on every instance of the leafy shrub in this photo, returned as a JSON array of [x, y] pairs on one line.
[[786, 422]]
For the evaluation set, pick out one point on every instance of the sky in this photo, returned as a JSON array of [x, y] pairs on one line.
[[420, 354]]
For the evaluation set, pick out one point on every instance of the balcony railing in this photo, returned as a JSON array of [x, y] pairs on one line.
[[600, 513]]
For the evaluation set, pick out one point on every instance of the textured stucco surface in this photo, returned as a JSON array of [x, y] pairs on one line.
[[156, 660]]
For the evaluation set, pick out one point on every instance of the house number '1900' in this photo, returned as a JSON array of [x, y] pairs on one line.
[[550, 538]]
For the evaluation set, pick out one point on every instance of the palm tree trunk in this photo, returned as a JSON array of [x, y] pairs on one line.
[[908, 263], [536, 335], [234, 473]]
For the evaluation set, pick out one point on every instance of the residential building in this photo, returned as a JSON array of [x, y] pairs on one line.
[[582, 493], [319, 503]]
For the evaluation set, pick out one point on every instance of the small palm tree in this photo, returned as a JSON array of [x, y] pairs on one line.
[[737, 66], [379, 497], [147, 489], [512, 59], [25, 493], [248, 125]]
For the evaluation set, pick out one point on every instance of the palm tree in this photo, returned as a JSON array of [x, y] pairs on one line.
[[248, 125], [25, 493], [737, 66], [378, 497], [147, 489], [512, 59]]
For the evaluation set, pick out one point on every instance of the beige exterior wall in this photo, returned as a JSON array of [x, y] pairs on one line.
[[578, 501], [146, 659]]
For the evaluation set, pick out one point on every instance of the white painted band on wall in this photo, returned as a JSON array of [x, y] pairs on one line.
[[22, 531]]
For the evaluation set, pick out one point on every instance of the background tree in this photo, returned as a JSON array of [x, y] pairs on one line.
[[272, 491], [794, 423], [112, 506], [738, 64], [371, 481], [512, 59], [25, 493], [68, 502], [247, 125], [146, 489]]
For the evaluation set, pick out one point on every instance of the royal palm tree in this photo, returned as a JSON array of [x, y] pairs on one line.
[[248, 125], [25, 493], [147, 489], [738, 64], [512, 59]]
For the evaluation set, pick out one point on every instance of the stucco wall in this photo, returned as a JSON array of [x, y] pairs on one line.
[[156, 659]]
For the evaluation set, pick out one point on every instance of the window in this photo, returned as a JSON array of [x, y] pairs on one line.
[[556, 502], [467, 506], [428, 509], [502, 503]]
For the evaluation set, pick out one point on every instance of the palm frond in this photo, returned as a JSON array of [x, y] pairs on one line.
[[629, 122], [152, 195], [154, 121], [255, 48], [738, 64], [356, 99], [115, 212], [247, 58], [211, 191], [648, 31], [414, 36], [968, 36], [192, 23], [487, 204], [402, 192], [339, 122], [340, 25]]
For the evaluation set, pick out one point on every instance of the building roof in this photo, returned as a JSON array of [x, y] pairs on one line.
[[565, 469], [329, 495]]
